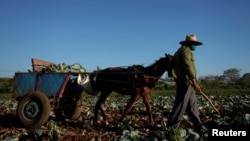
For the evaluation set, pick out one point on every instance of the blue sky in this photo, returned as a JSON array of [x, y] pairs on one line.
[[109, 33]]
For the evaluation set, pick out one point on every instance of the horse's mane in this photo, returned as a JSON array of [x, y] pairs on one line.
[[156, 61]]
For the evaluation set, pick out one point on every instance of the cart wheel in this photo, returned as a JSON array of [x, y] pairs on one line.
[[33, 110], [68, 108]]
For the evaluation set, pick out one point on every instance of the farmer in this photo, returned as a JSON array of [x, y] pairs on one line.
[[182, 69]]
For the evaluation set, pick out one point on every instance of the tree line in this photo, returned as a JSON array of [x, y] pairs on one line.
[[230, 79]]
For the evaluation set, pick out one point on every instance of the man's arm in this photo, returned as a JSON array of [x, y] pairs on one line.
[[196, 85]]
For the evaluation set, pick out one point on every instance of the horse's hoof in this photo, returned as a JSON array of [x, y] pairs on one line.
[[96, 123], [152, 123], [106, 123]]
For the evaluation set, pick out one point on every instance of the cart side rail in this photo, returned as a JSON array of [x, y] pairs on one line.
[[39, 65], [51, 84]]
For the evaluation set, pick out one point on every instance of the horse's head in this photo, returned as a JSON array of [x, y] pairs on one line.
[[165, 61], [156, 69], [170, 64], [168, 57]]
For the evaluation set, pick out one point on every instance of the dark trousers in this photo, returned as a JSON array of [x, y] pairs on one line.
[[185, 101]]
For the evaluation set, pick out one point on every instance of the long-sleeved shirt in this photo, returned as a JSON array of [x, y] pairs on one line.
[[183, 66]]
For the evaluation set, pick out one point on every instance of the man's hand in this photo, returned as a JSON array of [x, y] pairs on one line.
[[175, 77], [196, 85]]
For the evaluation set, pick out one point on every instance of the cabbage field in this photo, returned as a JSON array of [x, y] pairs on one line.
[[234, 110]]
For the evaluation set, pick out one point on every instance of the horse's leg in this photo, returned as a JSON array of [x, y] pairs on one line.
[[99, 106], [132, 100], [146, 101]]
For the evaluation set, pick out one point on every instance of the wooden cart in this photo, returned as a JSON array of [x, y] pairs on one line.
[[39, 93]]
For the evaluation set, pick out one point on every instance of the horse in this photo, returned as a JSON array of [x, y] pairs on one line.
[[136, 80]]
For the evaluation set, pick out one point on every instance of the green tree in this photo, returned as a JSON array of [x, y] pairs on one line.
[[212, 81], [231, 75], [244, 80]]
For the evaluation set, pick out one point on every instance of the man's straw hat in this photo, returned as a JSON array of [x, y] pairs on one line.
[[191, 40]]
